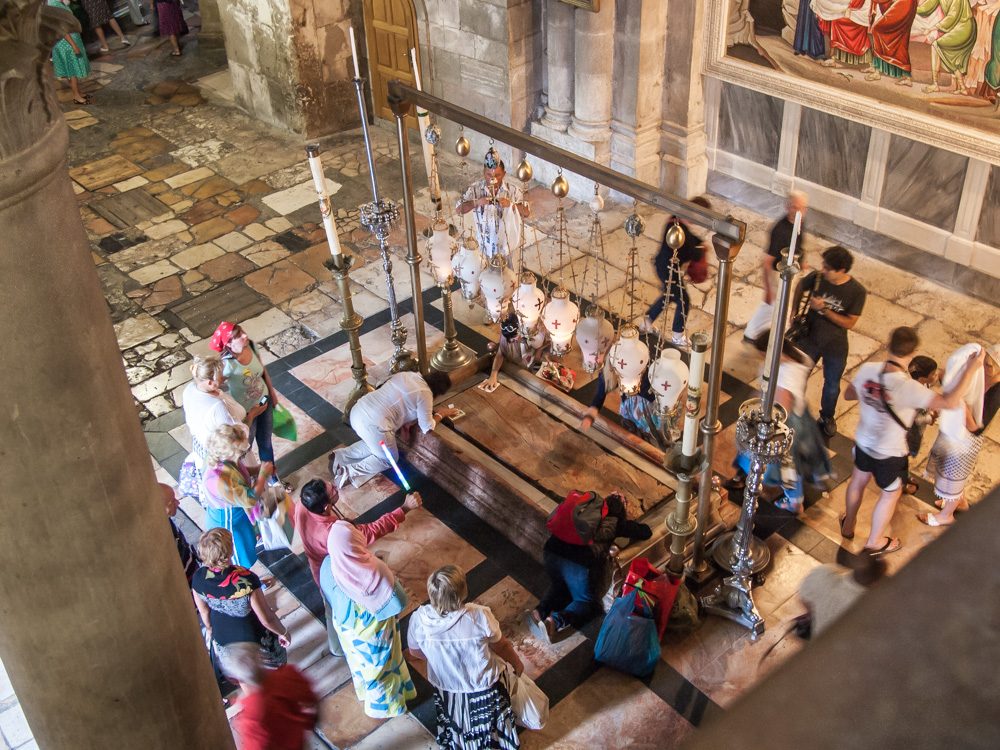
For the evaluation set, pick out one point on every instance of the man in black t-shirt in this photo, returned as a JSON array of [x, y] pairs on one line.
[[835, 305]]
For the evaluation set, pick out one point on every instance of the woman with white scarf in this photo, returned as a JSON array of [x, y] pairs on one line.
[[956, 450]]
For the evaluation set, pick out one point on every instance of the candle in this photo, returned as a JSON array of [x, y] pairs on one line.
[[793, 245], [325, 209], [423, 122], [354, 54], [696, 377]]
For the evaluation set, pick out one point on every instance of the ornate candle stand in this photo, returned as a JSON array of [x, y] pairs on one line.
[[378, 217], [762, 433], [340, 265]]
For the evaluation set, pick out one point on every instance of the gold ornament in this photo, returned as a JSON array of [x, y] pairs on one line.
[[462, 146], [524, 171], [560, 187], [675, 236]]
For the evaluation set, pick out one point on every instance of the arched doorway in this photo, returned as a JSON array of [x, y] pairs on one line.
[[391, 31]]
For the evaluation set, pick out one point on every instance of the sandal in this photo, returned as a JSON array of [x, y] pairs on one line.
[[103, 49], [126, 42], [939, 504], [846, 536], [175, 54], [911, 487], [82, 102], [929, 519], [892, 544]]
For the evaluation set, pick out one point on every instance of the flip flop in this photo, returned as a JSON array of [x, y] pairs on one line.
[[931, 520], [175, 54], [846, 536], [892, 544]]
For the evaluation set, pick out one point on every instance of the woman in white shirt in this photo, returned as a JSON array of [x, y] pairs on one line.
[[206, 406], [469, 662]]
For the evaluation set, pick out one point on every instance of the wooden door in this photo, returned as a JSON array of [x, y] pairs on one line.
[[391, 31]]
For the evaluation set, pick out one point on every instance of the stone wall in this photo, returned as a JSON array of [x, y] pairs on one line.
[[262, 60]]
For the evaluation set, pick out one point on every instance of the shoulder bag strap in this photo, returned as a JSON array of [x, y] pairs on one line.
[[881, 395]]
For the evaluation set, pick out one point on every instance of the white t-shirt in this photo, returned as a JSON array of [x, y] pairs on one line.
[[457, 647], [404, 397], [877, 434], [203, 412], [794, 377]]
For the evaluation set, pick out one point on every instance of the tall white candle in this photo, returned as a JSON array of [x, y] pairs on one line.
[[423, 122], [796, 229], [325, 209], [696, 376], [354, 54]]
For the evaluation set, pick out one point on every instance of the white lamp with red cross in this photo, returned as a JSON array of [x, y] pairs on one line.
[[560, 317], [668, 377], [594, 335], [629, 357], [497, 284], [528, 301]]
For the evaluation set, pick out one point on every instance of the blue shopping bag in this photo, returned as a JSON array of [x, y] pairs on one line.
[[627, 641]]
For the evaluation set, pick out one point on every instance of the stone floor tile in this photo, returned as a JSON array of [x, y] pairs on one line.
[[306, 304], [265, 253], [159, 231], [189, 177], [209, 230], [207, 188], [202, 211], [589, 717], [266, 324], [130, 184], [280, 281], [165, 292], [227, 266], [243, 215], [168, 170], [203, 152], [342, 718], [279, 224], [257, 231], [312, 261], [195, 256], [232, 242], [154, 272], [401, 733], [103, 172]]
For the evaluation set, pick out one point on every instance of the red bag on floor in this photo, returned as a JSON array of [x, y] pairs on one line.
[[656, 589]]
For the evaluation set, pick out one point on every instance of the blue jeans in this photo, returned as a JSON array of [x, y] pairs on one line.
[[680, 298], [570, 599], [834, 364], [260, 431], [772, 478]]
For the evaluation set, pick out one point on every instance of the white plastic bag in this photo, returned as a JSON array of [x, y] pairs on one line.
[[272, 532], [530, 704]]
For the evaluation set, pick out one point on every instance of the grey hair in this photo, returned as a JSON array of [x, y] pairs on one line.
[[241, 662], [207, 368], [797, 196], [224, 443]]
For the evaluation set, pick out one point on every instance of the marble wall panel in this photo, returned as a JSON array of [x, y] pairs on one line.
[[923, 182], [832, 152], [989, 219], [750, 124]]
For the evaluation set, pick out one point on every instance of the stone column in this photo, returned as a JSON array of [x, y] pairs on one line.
[[637, 99], [960, 244], [99, 633], [788, 149], [559, 38], [593, 58], [866, 212], [210, 35], [682, 141]]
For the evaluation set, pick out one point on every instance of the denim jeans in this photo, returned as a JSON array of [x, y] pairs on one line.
[[260, 431], [834, 364], [680, 298], [570, 599]]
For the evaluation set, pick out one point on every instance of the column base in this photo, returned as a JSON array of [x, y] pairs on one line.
[[684, 164], [556, 120]]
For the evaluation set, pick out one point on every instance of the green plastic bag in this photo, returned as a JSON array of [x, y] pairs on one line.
[[284, 424]]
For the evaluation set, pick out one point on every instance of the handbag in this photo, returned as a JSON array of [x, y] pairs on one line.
[[798, 329], [284, 424], [655, 589], [529, 704], [628, 642], [276, 529], [697, 270]]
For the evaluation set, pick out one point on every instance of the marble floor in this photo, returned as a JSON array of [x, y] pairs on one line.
[[196, 212]]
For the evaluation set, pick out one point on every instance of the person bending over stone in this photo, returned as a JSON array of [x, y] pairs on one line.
[[404, 398], [581, 542]]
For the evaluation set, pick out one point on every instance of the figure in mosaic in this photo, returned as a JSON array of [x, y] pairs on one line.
[[954, 43]]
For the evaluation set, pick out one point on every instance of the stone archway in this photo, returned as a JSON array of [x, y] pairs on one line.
[[390, 31]]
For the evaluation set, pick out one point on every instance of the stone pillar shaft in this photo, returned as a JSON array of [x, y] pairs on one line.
[[594, 57], [559, 40], [99, 637]]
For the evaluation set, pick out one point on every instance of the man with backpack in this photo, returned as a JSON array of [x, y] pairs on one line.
[[583, 528]]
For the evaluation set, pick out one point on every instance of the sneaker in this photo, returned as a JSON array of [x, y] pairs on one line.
[[827, 426], [680, 341], [543, 630], [645, 325]]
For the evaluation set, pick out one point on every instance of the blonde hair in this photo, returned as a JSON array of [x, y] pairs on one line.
[[447, 589], [207, 368], [241, 662], [225, 443], [215, 548]]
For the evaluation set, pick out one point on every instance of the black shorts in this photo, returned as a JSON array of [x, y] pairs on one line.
[[885, 470]]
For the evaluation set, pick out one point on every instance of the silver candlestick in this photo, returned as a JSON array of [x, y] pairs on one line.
[[378, 217], [761, 433]]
